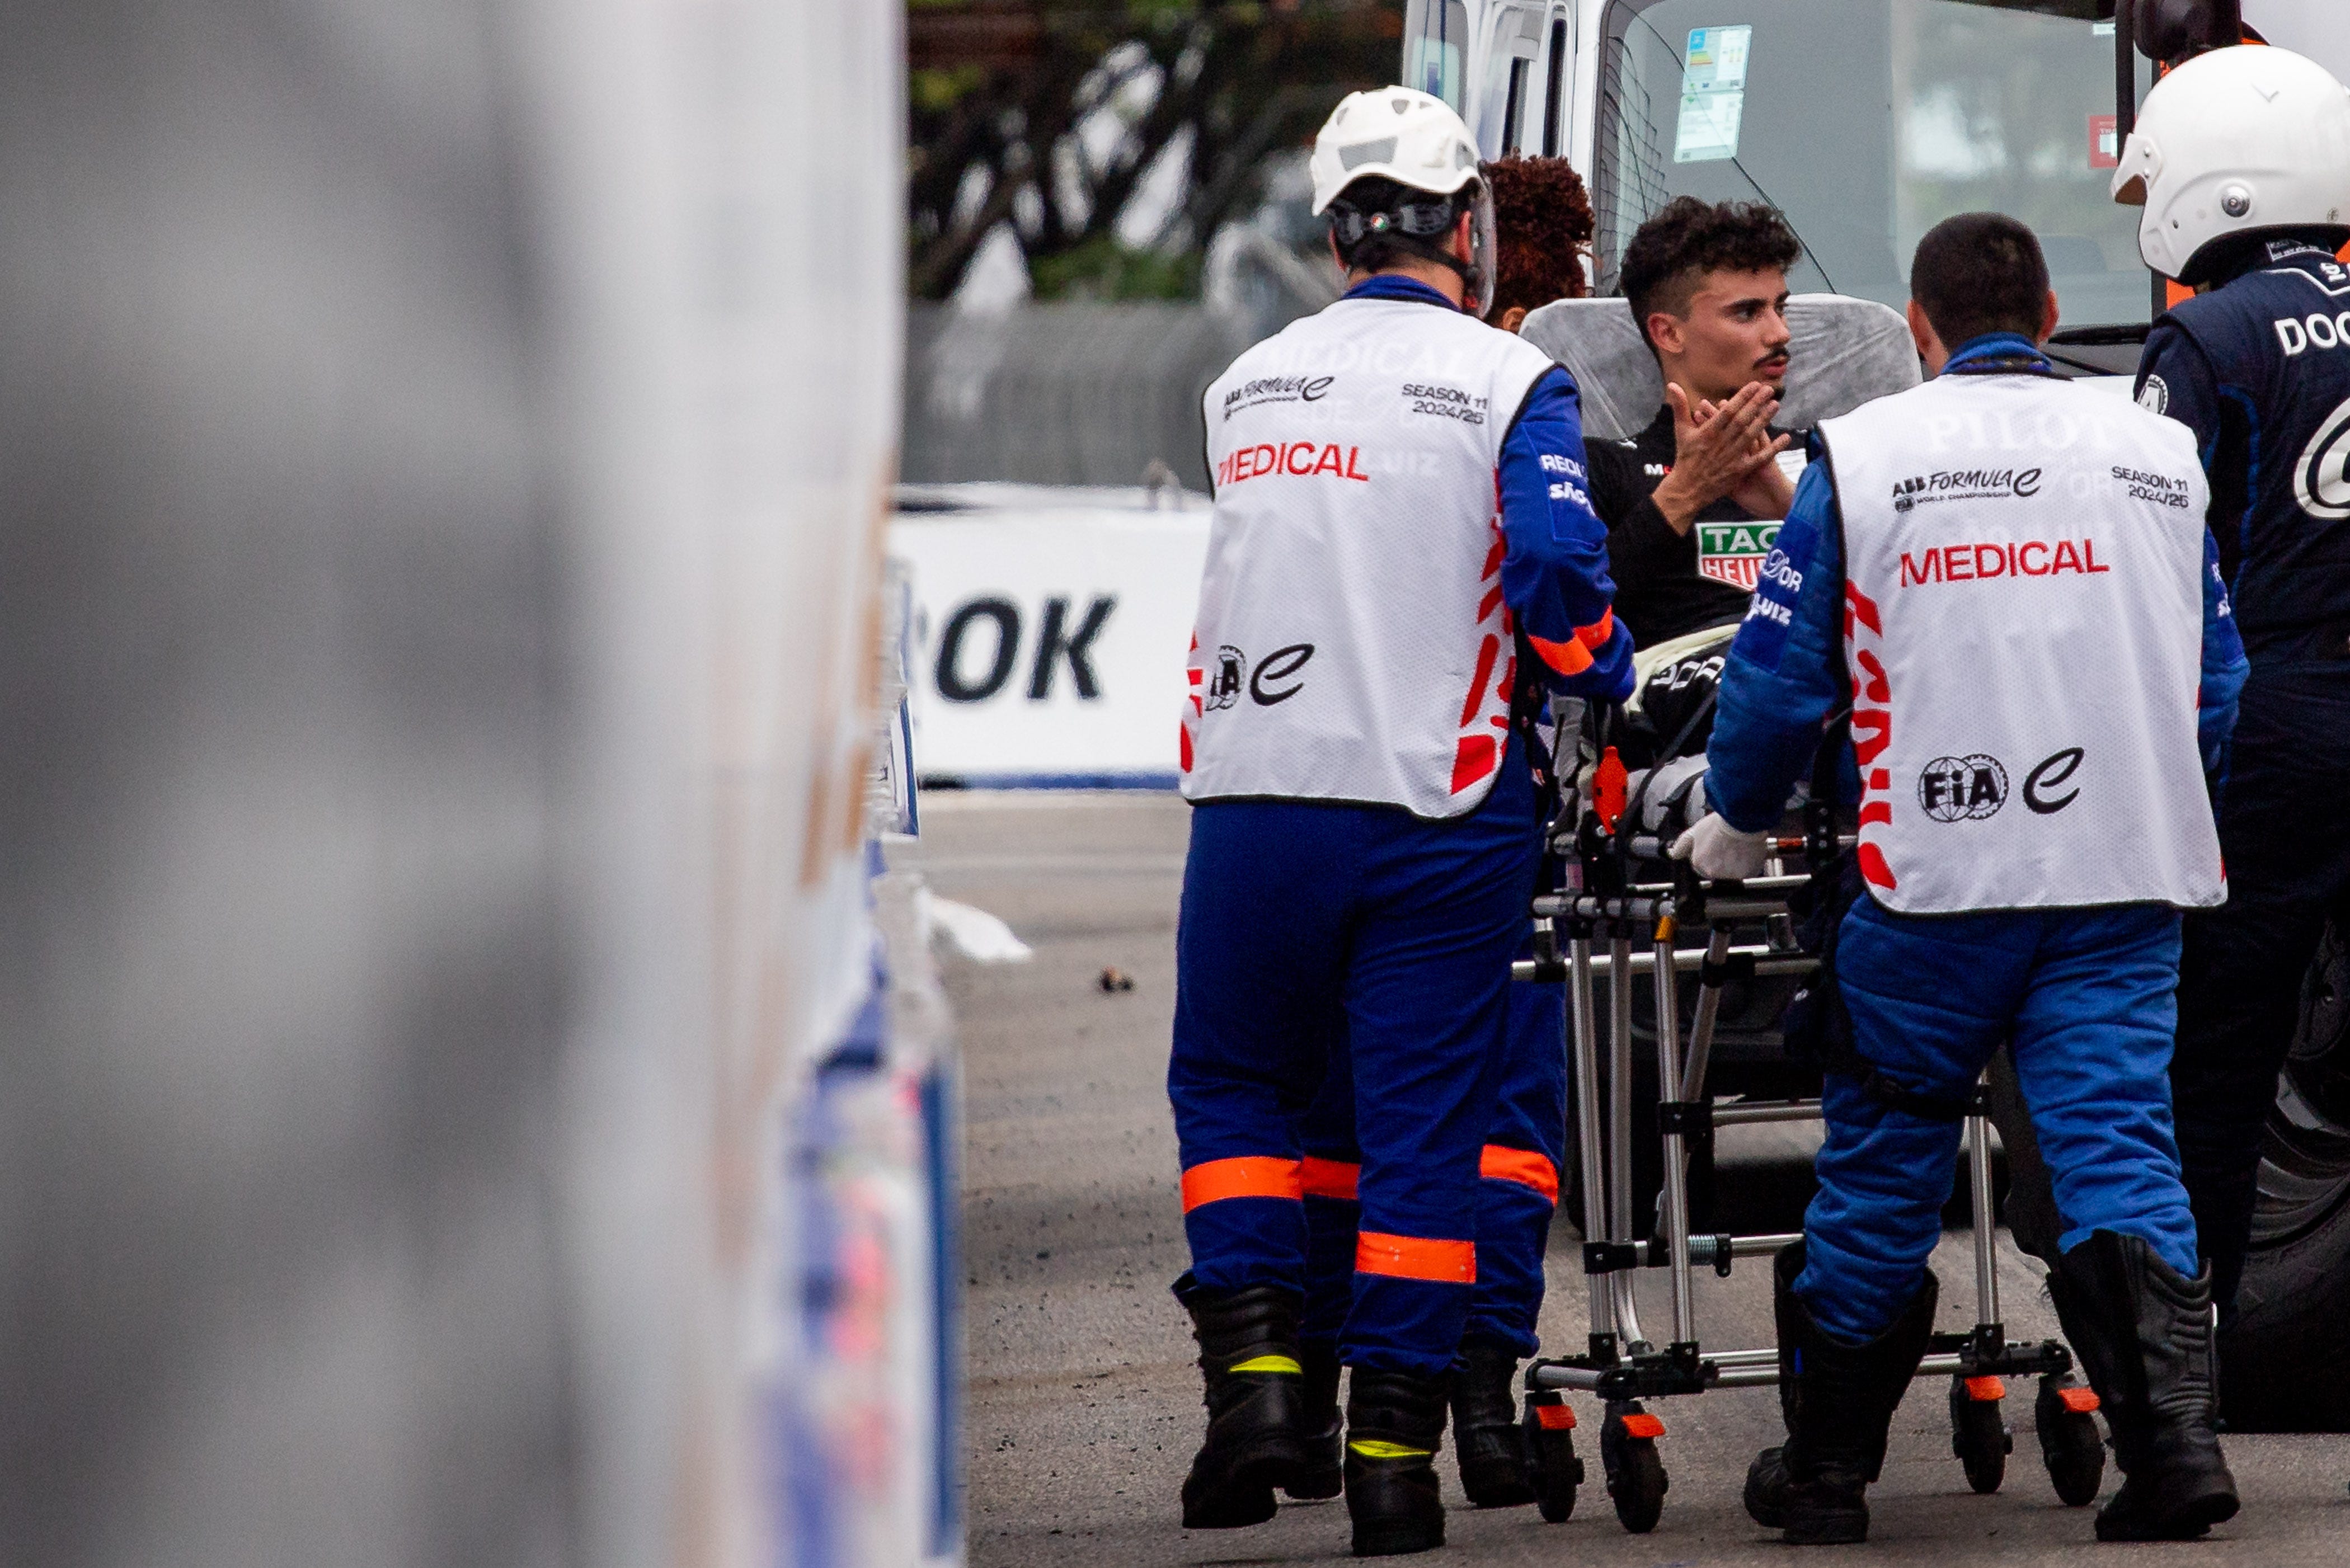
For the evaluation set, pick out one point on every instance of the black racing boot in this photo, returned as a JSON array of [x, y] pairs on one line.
[[1487, 1438], [1838, 1401], [1325, 1441], [1257, 1425], [2145, 1336], [1394, 1421]]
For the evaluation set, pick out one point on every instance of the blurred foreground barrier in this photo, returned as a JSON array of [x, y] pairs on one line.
[[453, 1110]]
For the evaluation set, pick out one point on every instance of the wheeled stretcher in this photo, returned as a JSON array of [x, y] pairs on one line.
[[1604, 925]]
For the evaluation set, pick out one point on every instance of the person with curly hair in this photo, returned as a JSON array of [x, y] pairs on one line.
[[1542, 217], [1707, 286]]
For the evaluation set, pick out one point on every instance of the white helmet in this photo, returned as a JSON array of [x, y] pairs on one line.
[[2241, 140], [1415, 140]]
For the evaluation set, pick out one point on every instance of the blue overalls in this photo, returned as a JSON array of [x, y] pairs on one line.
[[2085, 996], [1517, 1181], [1316, 932]]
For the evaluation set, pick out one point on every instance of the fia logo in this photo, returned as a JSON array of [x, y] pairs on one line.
[[1959, 789], [1225, 689]]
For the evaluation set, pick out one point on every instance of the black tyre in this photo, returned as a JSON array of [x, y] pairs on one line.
[[2069, 1441], [1636, 1471], [2284, 1363], [1550, 1439], [1979, 1437]]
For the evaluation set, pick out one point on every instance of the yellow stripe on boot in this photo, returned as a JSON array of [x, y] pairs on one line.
[[1372, 1448], [1268, 1364]]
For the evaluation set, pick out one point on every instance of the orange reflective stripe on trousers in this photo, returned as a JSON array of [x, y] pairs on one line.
[[1522, 1165], [1331, 1178], [1416, 1258], [1251, 1176]]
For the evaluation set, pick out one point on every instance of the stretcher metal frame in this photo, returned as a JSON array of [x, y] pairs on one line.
[[1622, 1366]]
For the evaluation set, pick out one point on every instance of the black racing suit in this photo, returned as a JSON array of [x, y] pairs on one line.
[[2260, 369], [1663, 589]]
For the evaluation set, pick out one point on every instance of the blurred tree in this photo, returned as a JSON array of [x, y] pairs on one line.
[[1052, 115]]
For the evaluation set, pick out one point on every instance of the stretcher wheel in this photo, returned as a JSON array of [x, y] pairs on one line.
[[1636, 1471], [2069, 1439], [1549, 1443], [1978, 1435]]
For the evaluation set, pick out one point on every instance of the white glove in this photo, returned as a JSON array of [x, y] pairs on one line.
[[1719, 852]]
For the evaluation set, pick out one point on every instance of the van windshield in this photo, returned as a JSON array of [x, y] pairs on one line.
[[1868, 122]]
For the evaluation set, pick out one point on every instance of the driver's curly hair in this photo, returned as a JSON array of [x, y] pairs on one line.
[[1542, 220], [1687, 238]]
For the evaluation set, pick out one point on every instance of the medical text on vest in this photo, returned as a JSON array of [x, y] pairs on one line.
[[1975, 563], [1304, 459]]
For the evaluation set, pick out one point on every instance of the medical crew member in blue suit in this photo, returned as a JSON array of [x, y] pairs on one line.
[[1401, 495], [1541, 215], [2010, 576], [2242, 159]]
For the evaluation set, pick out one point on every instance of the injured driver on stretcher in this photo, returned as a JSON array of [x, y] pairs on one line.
[[1699, 386], [1692, 501]]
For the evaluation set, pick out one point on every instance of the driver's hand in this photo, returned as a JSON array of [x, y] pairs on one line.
[[1716, 450], [1720, 853], [1766, 491]]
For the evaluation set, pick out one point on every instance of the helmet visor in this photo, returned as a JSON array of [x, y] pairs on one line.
[[1484, 253]]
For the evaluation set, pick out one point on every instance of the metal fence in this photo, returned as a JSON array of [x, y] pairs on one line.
[[1062, 393]]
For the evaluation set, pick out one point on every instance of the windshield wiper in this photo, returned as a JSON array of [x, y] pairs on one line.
[[1768, 200], [2078, 10]]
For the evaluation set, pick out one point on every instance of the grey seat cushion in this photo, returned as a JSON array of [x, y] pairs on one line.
[[1846, 352]]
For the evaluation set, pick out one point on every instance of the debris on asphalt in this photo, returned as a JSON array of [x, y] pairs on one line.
[[976, 934]]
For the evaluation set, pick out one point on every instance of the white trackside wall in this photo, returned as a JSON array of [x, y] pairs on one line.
[[2024, 567], [1352, 643]]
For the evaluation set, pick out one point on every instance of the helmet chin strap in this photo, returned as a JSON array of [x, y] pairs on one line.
[[1472, 276]]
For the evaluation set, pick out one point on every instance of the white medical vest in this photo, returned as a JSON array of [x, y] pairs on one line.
[[1352, 643], [2024, 624]]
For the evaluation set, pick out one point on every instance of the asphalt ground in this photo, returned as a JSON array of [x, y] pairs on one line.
[[1083, 1405]]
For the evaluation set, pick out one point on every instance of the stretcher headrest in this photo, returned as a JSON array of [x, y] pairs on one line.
[[1846, 352]]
